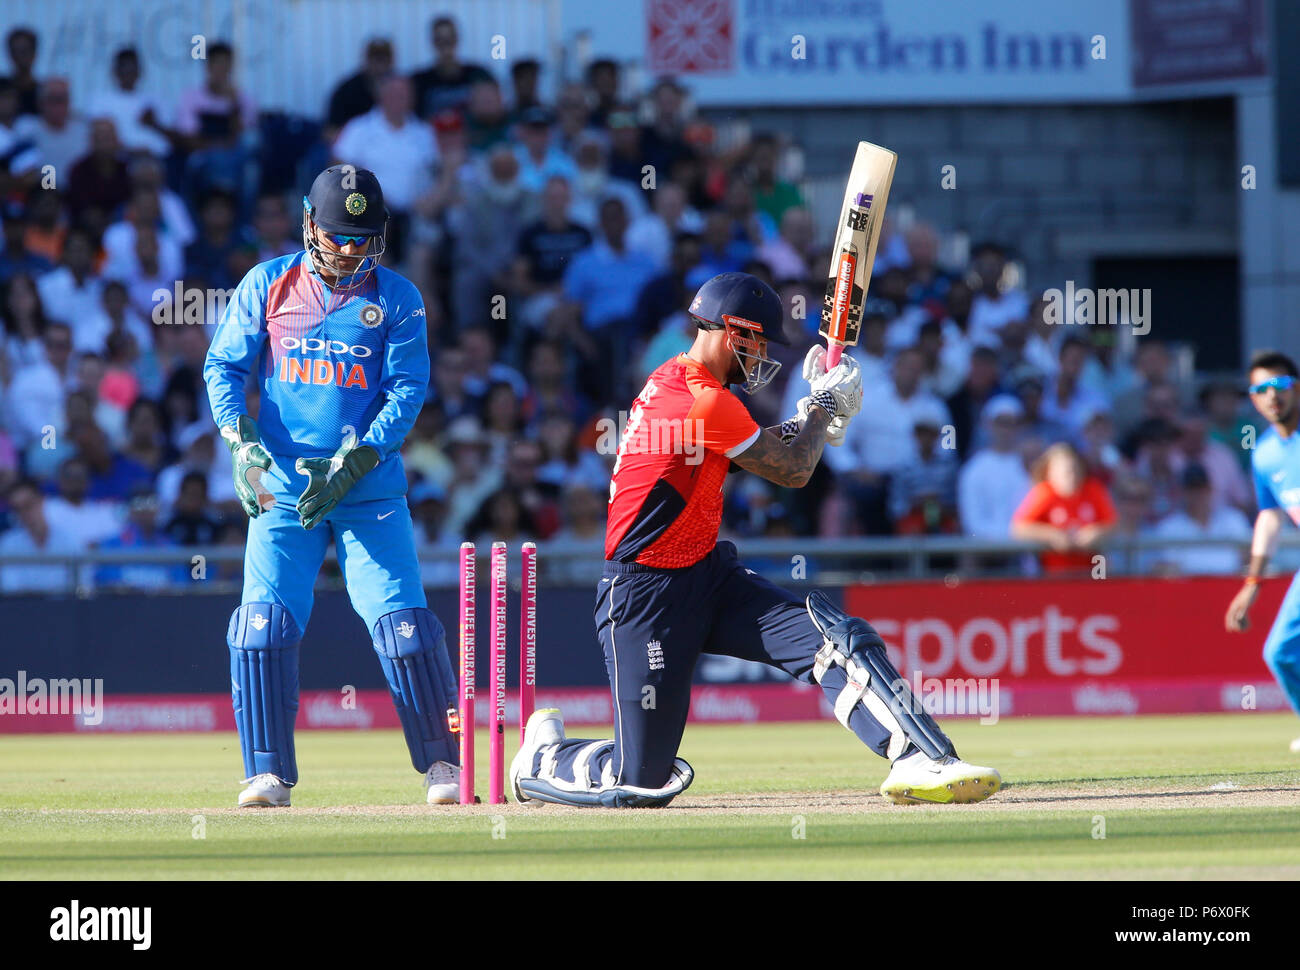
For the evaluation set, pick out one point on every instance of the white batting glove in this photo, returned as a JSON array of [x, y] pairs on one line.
[[844, 382], [834, 431], [814, 363]]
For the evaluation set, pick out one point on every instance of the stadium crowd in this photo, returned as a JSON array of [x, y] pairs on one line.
[[557, 245]]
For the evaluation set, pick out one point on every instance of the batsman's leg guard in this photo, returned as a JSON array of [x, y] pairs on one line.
[[263, 640], [577, 772], [412, 650], [851, 643]]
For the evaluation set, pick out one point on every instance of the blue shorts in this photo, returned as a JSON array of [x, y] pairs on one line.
[[375, 543]]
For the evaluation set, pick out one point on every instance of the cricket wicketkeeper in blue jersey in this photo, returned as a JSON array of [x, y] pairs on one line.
[[338, 345]]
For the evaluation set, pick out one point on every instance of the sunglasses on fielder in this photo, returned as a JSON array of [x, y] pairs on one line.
[[1283, 382], [340, 240]]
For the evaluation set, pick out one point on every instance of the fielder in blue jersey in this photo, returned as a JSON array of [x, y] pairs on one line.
[[1275, 466], [338, 346]]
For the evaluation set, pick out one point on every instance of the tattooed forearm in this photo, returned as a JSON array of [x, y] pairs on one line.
[[789, 465]]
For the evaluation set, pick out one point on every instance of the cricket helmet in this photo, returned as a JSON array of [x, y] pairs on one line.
[[345, 200], [750, 312]]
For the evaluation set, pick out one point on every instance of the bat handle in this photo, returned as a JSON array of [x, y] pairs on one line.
[[833, 351]]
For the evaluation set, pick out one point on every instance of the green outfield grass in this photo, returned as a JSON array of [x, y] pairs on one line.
[[1215, 796]]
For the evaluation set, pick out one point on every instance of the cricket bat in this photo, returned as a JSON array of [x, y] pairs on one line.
[[857, 232]]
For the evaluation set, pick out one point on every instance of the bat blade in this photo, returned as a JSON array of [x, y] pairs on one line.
[[857, 233]]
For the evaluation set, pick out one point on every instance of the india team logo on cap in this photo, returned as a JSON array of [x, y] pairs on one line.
[[371, 315], [355, 204]]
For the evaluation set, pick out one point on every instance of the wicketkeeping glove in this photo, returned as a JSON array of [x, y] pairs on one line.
[[332, 478], [250, 461]]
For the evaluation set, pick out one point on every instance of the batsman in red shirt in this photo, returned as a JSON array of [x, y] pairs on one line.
[[671, 591]]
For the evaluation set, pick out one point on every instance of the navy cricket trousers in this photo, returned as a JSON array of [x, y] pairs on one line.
[[653, 625]]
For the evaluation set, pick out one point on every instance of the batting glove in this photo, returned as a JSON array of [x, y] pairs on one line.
[[250, 461], [834, 431], [844, 382], [814, 363], [329, 479]]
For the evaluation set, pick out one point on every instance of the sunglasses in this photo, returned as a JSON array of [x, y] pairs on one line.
[[1283, 382], [341, 240]]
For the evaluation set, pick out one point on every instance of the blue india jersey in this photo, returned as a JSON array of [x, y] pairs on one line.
[[1275, 470], [327, 362]]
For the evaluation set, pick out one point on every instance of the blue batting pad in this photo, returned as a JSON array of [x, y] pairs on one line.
[[412, 650], [263, 640]]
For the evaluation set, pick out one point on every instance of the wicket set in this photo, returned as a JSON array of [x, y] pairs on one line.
[[496, 661]]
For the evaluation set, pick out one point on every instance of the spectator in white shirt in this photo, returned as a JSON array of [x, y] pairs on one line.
[[114, 313], [147, 173], [1202, 517], [33, 533], [197, 444], [71, 512], [947, 357], [653, 233], [880, 440], [401, 150], [37, 391], [134, 113], [122, 260], [1066, 400], [72, 292], [992, 484], [393, 143], [58, 136], [996, 302], [593, 184], [149, 277]]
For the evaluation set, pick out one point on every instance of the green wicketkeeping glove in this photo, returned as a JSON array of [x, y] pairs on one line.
[[332, 478], [250, 461]]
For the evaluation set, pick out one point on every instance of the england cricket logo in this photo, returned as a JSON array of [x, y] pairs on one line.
[[655, 654]]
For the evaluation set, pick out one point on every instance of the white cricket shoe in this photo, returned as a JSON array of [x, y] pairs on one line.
[[1295, 746], [264, 791], [916, 778], [544, 727], [443, 782]]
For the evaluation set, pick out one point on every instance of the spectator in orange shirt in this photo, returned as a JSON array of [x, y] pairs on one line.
[[1067, 510]]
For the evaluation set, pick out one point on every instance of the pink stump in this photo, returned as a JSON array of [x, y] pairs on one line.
[[468, 587], [497, 689]]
